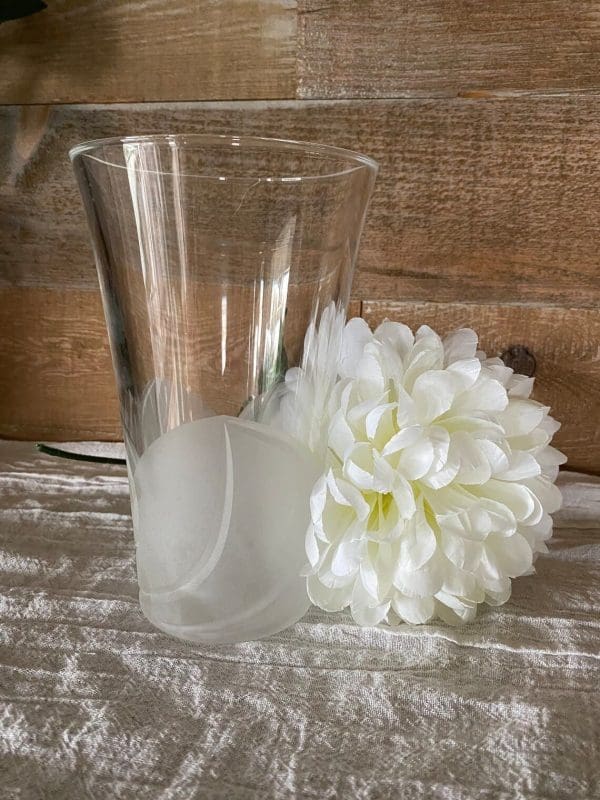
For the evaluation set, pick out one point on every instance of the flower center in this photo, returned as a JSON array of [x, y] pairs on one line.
[[379, 511]]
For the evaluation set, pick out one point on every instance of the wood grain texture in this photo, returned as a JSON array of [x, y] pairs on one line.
[[378, 48], [86, 51], [565, 342], [56, 379], [56, 376], [475, 200]]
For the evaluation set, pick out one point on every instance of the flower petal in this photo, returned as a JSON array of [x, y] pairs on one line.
[[347, 495], [326, 598], [520, 386], [421, 582], [486, 394], [414, 610], [312, 547], [397, 335], [356, 336], [465, 372], [375, 417], [346, 559], [521, 417], [404, 497], [547, 493], [340, 435], [510, 556], [404, 438], [416, 460], [520, 466], [460, 344], [417, 543], [433, 393], [474, 466]]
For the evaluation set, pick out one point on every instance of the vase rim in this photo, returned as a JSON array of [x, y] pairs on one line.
[[351, 160]]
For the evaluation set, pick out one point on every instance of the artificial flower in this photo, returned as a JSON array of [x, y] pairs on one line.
[[439, 481]]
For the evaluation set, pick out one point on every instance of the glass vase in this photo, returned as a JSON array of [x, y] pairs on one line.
[[225, 265]]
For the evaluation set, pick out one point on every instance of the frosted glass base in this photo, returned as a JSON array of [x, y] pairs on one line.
[[221, 507]]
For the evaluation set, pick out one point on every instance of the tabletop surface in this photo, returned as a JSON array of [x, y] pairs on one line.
[[96, 703]]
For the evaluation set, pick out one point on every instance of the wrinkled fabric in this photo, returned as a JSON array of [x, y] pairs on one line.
[[95, 703]]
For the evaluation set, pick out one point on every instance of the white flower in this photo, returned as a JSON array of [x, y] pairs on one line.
[[440, 478]]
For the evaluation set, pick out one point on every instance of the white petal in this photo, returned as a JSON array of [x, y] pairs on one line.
[[511, 556], [369, 579], [427, 353], [311, 546], [474, 466], [521, 465], [325, 598], [521, 416], [486, 394], [478, 424], [497, 458], [520, 386], [541, 531], [356, 336], [370, 373], [357, 414], [404, 438], [365, 610], [369, 617], [385, 565], [433, 393], [500, 596], [497, 369], [502, 519], [345, 494], [446, 474], [517, 498], [440, 440], [459, 345], [547, 493], [417, 543], [453, 611], [340, 435], [463, 553], [385, 475], [318, 498], [473, 524], [550, 425], [405, 413], [421, 582], [465, 372], [549, 457], [462, 584], [416, 460], [346, 559], [414, 610], [374, 418], [404, 497], [399, 336]]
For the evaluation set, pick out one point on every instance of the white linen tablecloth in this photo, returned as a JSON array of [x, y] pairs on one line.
[[95, 703]]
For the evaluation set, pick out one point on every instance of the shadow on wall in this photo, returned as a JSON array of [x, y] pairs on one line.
[[14, 9], [54, 55]]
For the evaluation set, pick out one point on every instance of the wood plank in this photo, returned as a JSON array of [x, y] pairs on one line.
[[383, 48], [88, 51], [56, 381], [564, 341], [476, 200]]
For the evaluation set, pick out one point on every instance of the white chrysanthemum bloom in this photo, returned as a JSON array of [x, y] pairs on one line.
[[440, 482]]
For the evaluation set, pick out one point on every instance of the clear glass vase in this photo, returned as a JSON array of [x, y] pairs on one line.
[[225, 267]]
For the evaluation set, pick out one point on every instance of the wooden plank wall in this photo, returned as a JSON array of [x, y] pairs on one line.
[[485, 118]]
